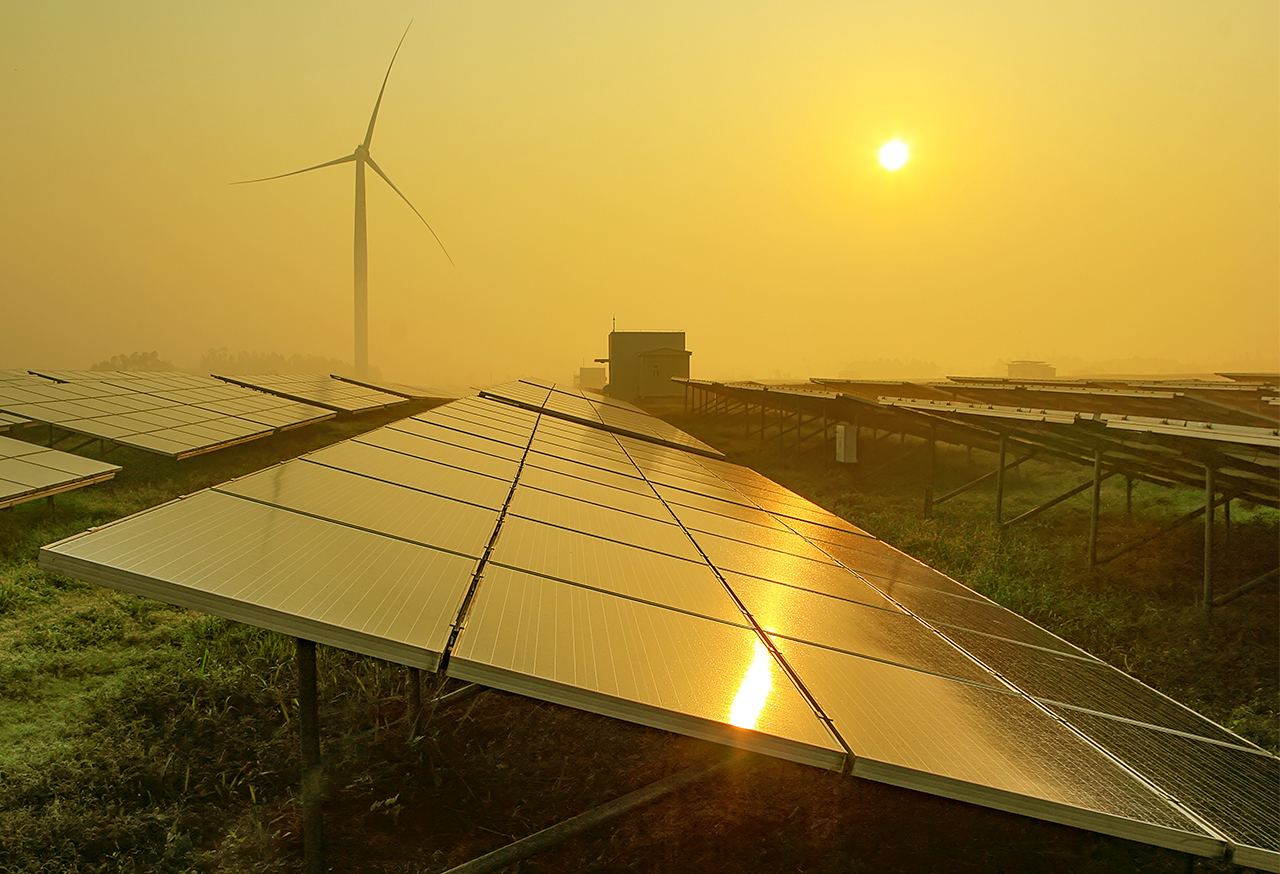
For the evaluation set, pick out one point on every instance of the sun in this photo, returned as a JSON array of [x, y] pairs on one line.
[[893, 155]]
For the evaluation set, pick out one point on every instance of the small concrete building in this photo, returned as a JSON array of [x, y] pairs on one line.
[[641, 364], [591, 378], [1031, 370]]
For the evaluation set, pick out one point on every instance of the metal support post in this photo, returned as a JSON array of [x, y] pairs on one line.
[[1094, 507], [1208, 539], [1000, 479], [933, 461], [309, 731], [1226, 513], [415, 701]]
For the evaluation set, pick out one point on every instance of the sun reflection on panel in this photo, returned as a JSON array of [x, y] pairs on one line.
[[754, 689]]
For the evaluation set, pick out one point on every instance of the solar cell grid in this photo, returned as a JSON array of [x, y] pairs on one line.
[[169, 421], [824, 579], [321, 390], [457, 434], [975, 614], [885, 635], [427, 472], [570, 405], [1085, 683], [647, 532], [580, 448], [882, 570], [632, 501], [493, 408], [911, 728], [1234, 788], [720, 491], [617, 465], [566, 405], [628, 659], [661, 455], [370, 504], [587, 471], [479, 424], [455, 453], [733, 515], [752, 536], [653, 577], [243, 560]]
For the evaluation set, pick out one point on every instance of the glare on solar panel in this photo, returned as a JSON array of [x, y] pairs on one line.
[[630, 660]]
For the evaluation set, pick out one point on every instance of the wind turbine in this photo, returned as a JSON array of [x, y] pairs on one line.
[[361, 157]]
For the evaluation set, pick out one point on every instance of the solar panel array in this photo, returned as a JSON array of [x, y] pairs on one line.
[[319, 390], [596, 410], [532, 553], [11, 378], [174, 414], [28, 472]]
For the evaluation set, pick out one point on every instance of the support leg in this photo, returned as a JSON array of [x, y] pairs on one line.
[[1000, 479], [1208, 539], [415, 701], [309, 729], [928, 493], [1094, 507]]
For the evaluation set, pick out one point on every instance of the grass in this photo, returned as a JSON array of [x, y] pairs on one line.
[[135, 736]]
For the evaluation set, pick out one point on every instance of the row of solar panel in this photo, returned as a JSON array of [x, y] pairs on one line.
[[319, 390], [172, 414], [693, 595], [29, 472], [596, 410]]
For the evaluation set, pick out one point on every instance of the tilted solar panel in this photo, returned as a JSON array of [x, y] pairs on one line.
[[179, 415], [320, 390], [29, 472], [643, 582]]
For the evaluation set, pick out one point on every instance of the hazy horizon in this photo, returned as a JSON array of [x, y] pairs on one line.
[[1089, 184]]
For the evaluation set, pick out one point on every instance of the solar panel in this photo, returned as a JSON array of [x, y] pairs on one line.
[[411, 392], [576, 406], [172, 414], [647, 584], [28, 472], [982, 745], [630, 660], [319, 390]]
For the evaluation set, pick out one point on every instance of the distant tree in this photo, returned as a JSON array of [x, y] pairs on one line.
[[222, 361], [135, 361]]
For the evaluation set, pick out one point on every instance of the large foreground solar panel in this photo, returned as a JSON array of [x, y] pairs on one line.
[[174, 414], [512, 544], [28, 472], [319, 390]]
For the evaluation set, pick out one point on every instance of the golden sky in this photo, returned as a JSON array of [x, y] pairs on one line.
[[1089, 180]]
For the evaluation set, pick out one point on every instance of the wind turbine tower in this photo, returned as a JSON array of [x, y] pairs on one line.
[[361, 157]]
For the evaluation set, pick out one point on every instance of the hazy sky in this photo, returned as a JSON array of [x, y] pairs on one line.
[[1089, 180]]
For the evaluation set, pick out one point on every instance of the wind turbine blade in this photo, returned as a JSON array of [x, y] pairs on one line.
[[345, 160], [368, 137], [378, 170]]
